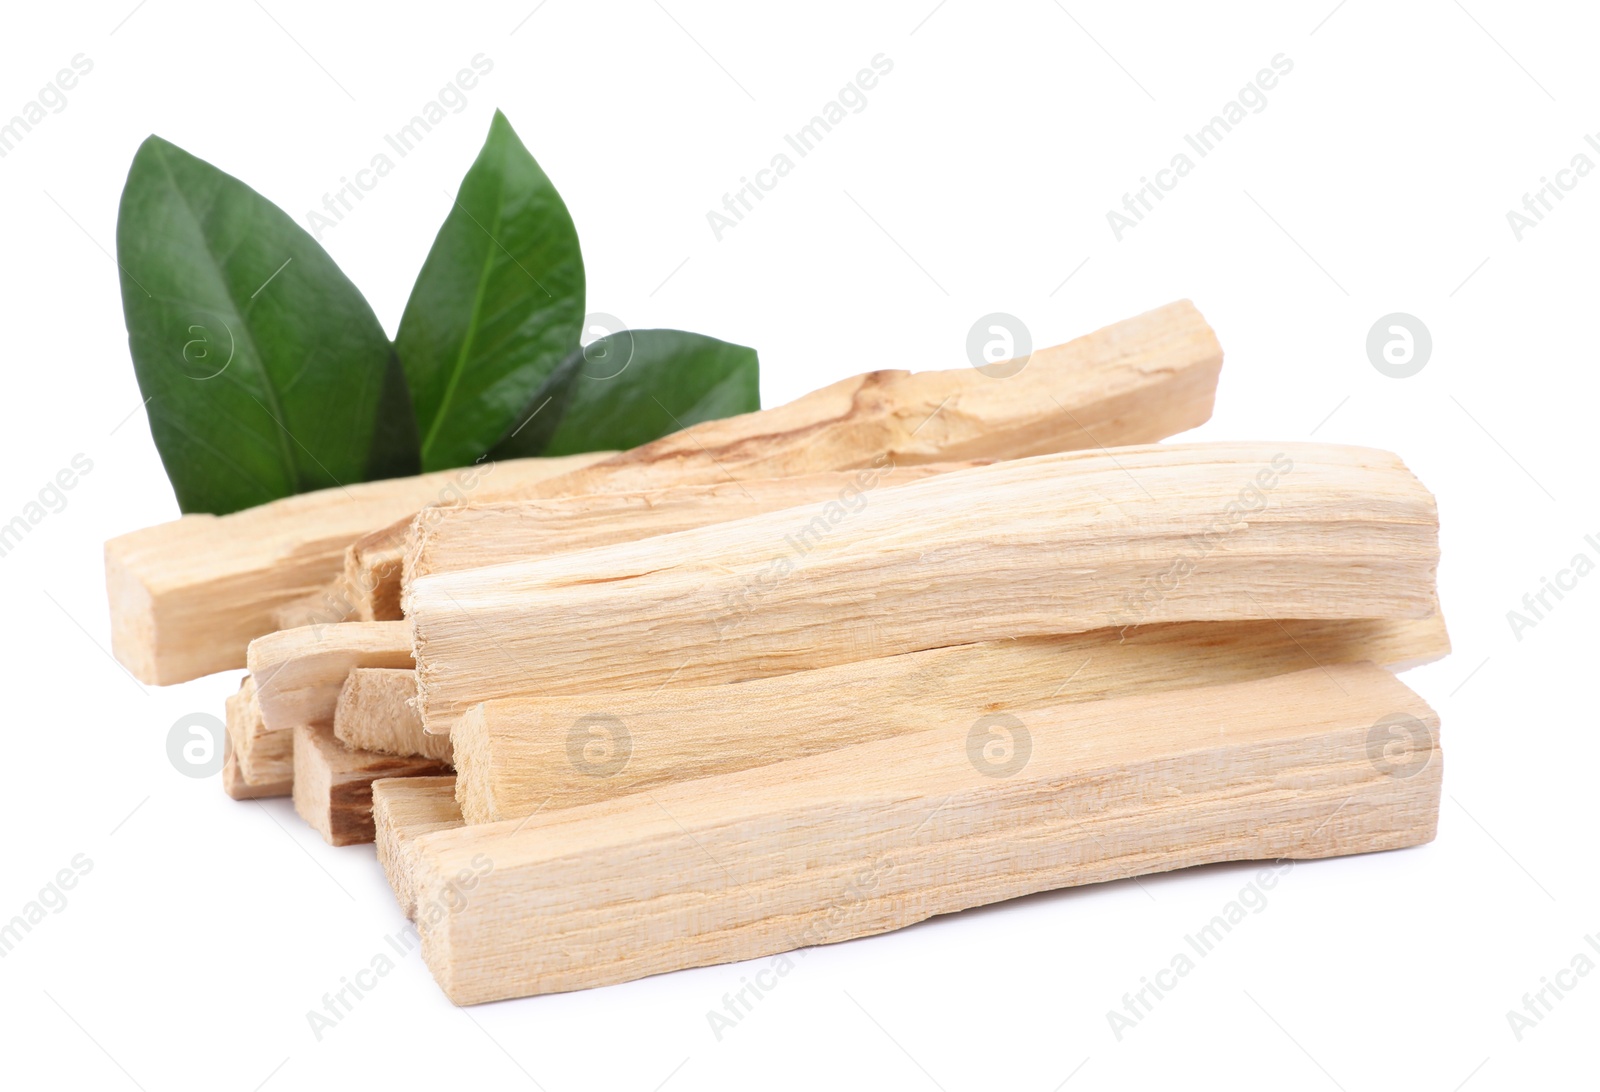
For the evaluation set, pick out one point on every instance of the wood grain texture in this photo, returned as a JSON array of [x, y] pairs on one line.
[[300, 672], [403, 809], [1047, 545], [312, 610], [333, 783], [880, 835], [235, 785], [518, 756], [496, 532], [375, 713], [475, 536], [262, 759], [188, 596], [372, 568], [268, 757], [1137, 381], [371, 580]]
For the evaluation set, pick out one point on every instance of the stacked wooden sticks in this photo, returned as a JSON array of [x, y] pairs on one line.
[[910, 644]]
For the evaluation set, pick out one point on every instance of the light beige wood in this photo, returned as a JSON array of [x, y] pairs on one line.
[[1048, 545], [333, 783], [375, 713], [262, 759], [474, 536], [235, 785], [372, 567], [327, 606], [267, 758], [378, 564], [880, 835], [403, 809], [518, 756], [371, 580], [242, 729], [239, 710], [300, 672], [188, 596], [1137, 381]]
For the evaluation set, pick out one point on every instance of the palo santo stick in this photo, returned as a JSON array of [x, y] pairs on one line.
[[1134, 382], [404, 808], [1048, 545], [299, 672], [333, 784], [497, 532], [272, 775], [262, 759], [188, 596], [239, 712], [325, 606], [371, 580], [491, 534], [372, 568], [375, 713], [1137, 381], [880, 835], [235, 785], [518, 756]]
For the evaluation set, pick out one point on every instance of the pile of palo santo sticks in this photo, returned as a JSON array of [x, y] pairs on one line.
[[909, 644]]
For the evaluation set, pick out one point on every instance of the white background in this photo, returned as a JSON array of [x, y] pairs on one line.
[[977, 179]]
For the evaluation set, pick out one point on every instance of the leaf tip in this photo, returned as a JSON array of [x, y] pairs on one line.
[[154, 143]]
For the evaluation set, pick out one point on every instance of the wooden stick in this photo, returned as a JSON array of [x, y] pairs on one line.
[[379, 563], [1048, 545], [300, 672], [517, 756], [188, 596], [239, 712], [262, 760], [404, 808], [316, 609], [235, 785], [478, 535], [375, 713], [880, 835], [1134, 382], [372, 569], [333, 784], [1137, 381], [371, 580]]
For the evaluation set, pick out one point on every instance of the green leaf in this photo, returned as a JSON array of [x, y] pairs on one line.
[[498, 303], [632, 387], [395, 452], [264, 370]]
